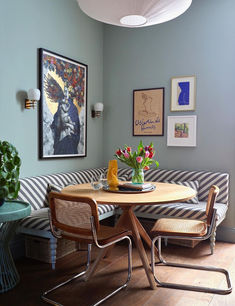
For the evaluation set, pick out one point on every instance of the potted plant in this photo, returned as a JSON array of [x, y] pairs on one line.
[[139, 160], [9, 171]]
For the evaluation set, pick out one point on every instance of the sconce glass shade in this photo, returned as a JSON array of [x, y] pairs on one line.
[[97, 110], [134, 13], [34, 94], [99, 107], [33, 97]]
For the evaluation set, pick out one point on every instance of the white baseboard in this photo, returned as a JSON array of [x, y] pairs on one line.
[[226, 234]]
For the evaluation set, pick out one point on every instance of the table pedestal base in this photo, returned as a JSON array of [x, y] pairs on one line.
[[129, 221], [9, 276]]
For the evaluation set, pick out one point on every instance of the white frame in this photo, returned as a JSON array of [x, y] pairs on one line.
[[190, 141], [175, 107]]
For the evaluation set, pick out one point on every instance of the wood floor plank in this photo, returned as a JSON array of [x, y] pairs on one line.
[[37, 276]]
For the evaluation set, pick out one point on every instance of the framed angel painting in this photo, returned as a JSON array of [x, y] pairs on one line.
[[63, 107]]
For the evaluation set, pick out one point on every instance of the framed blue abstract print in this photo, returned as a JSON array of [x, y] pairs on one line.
[[63, 107], [183, 93]]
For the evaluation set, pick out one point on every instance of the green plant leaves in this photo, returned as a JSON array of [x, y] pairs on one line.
[[9, 171]]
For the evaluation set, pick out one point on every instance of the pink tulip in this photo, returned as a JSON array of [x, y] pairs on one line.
[[126, 155], [139, 159], [146, 154]]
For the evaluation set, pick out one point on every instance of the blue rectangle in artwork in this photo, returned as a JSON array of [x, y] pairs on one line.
[[183, 98]]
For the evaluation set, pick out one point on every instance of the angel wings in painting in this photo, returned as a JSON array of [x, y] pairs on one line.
[[66, 124]]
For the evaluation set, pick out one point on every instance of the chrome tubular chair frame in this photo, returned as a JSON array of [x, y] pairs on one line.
[[82, 274], [187, 266]]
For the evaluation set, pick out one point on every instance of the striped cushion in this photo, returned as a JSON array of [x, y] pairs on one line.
[[179, 210], [34, 189], [192, 184], [205, 179], [58, 188], [38, 220]]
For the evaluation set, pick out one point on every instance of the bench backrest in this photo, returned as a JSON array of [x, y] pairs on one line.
[[34, 190], [205, 178]]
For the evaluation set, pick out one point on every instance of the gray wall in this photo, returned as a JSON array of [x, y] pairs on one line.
[[59, 26], [201, 42]]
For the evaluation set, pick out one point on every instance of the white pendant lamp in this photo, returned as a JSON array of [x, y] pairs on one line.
[[134, 13]]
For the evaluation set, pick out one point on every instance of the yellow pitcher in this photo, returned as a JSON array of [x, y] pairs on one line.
[[112, 177]]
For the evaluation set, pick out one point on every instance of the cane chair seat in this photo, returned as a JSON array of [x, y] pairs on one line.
[[179, 227], [104, 235]]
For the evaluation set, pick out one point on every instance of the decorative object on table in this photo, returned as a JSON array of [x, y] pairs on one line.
[[183, 93], [9, 171], [96, 183], [134, 13], [112, 175], [129, 189], [148, 112], [139, 160], [181, 131], [33, 98], [63, 111]]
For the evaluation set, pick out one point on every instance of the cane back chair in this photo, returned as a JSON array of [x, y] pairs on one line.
[[190, 230], [76, 218]]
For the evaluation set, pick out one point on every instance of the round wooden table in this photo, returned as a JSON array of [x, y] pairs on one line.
[[164, 193]]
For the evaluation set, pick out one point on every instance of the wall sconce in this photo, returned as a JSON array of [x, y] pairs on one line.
[[97, 110], [33, 97]]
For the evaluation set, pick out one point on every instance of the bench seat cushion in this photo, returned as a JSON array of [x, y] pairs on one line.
[[38, 220], [179, 210]]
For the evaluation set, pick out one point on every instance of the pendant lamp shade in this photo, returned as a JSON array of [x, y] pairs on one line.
[[134, 13]]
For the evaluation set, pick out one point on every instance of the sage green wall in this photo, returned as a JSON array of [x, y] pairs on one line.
[[201, 42], [59, 26]]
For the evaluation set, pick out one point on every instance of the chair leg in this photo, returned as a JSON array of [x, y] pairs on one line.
[[49, 301], [128, 276], [53, 246], [196, 267], [212, 241], [83, 273]]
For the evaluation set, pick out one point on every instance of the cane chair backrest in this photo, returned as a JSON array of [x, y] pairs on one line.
[[72, 214], [213, 192]]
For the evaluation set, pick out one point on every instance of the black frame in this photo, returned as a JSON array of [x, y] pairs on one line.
[[41, 109], [163, 111]]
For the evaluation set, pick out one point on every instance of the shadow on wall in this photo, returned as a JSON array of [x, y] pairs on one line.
[[21, 95]]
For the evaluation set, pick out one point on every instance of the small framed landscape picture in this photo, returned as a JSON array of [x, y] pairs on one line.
[[181, 131], [148, 112], [183, 93]]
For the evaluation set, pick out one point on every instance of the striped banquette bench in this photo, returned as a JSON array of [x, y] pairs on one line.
[[34, 190]]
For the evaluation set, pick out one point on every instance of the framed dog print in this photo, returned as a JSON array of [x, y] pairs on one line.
[[148, 112], [181, 131], [63, 107], [183, 93]]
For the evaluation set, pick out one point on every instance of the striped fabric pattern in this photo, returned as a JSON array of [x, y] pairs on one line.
[[34, 189], [179, 210], [192, 184], [205, 179], [38, 220]]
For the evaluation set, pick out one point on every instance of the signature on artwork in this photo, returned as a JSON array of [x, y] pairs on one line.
[[147, 124]]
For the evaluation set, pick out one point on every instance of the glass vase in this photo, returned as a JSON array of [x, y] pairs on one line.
[[137, 176]]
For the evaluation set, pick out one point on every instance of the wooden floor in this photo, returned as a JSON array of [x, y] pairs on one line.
[[37, 277]]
